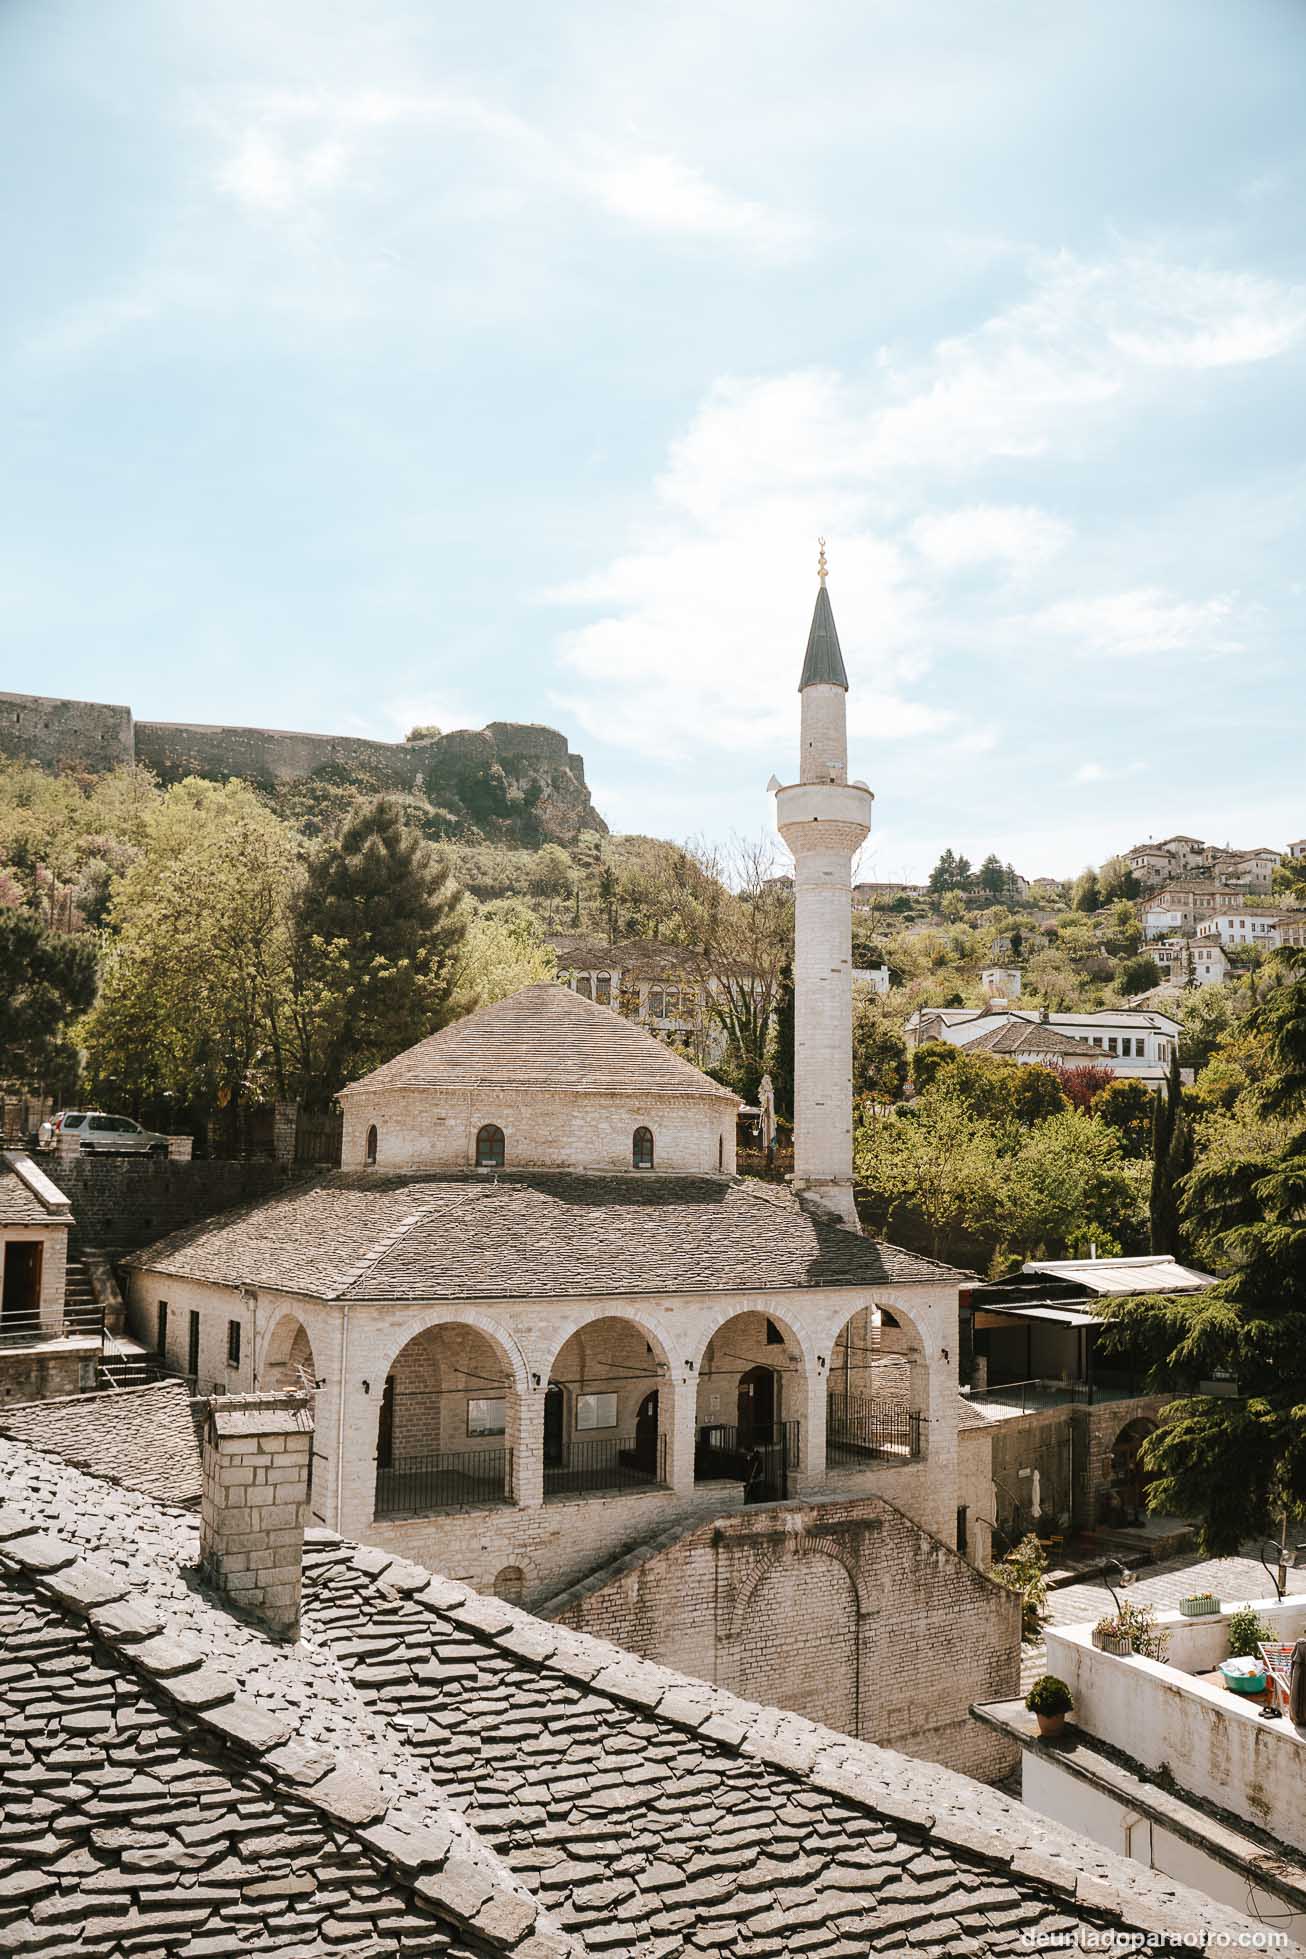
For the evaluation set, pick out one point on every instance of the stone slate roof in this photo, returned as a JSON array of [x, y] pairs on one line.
[[545, 1037], [1032, 1037], [530, 1235], [26, 1195], [824, 661], [508, 1786], [142, 1438]]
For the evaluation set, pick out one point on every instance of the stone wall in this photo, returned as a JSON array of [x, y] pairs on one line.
[[436, 1129], [121, 1203], [842, 1610], [60, 735], [1071, 1449], [174, 749], [48, 1374]]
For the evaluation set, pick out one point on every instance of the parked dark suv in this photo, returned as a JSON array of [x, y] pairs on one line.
[[98, 1131]]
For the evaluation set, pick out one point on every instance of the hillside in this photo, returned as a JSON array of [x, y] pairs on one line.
[[509, 783]]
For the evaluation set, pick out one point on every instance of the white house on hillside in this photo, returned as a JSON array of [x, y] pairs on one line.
[[1196, 962], [1127, 1040]]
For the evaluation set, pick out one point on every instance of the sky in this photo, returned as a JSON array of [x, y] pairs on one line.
[[370, 365]]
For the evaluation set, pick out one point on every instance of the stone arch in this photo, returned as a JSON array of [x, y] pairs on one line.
[[510, 1584], [498, 1335], [370, 1145], [877, 1388], [288, 1359], [609, 1392], [448, 1421], [796, 1338], [804, 1601]]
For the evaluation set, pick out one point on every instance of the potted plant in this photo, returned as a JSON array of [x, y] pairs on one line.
[[1246, 1631], [1113, 1635], [1049, 1700], [1198, 1604]]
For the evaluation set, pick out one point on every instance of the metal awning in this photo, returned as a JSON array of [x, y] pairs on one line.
[[1048, 1315]]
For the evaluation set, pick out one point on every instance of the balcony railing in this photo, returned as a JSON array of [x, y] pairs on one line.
[[859, 1429], [758, 1455], [1023, 1397], [457, 1479], [603, 1464], [22, 1329]]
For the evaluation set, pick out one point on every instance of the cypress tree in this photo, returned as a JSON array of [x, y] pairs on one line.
[[782, 1059], [1172, 1158], [379, 931]]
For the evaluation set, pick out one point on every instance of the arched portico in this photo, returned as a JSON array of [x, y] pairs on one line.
[[287, 1360], [753, 1402], [877, 1394], [608, 1409], [448, 1421]]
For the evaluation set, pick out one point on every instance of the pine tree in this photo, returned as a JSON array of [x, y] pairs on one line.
[[379, 929], [992, 877], [944, 875]]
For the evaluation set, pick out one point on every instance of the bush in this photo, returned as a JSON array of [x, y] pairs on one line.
[[1049, 1695], [1246, 1631], [1023, 1571]]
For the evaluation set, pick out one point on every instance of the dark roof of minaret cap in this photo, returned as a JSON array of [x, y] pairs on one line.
[[824, 663]]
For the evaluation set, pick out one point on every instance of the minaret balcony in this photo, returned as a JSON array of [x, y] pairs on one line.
[[824, 815]]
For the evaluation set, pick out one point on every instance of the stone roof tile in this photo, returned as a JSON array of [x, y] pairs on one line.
[[545, 1037], [369, 1235], [143, 1438]]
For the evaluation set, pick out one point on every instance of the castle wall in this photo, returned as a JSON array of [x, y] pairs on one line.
[[175, 749], [59, 735]]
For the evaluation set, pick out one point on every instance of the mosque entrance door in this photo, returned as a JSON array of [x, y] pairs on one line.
[[646, 1432], [756, 1406], [554, 1412]]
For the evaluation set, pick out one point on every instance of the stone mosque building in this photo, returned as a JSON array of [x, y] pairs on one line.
[[564, 1354]]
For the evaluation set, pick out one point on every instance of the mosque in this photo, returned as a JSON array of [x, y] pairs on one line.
[[553, 1332]]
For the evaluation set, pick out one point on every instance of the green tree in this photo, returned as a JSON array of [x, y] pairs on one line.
[[1086, 895], [195, 997], [1172, 1158], [378, 933], [879, 1051], [991, 877], [939, 1159], [1066, 1187], [944, 875], [782, 1045], [1116, 880], [1237, 1462], [1137, 975], [1128, 1106], [501, 953], [46, 979]]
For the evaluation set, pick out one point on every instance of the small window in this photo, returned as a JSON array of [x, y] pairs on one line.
[[193, 1346], [642, 1152], [371, 1144], [487, 1415], [720, 1152], [1111, 1044], [510, 1584], [233, 1343], [489, 1147], [596, 1411], [603, 989], [583, 987], [657, 1003], [774, 1337], [161, 1342]]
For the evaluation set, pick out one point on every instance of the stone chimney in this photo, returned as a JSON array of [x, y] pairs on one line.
[[258, 1451]]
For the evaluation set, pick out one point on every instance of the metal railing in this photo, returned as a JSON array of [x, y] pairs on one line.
[[20, 1329], [758, 1455], [452, 1480], [606, 1463], [859, 1428], [1025, 1397]]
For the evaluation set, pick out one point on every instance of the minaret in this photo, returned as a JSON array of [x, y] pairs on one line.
[[824, 819]]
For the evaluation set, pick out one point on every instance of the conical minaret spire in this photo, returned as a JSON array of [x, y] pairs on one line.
[[824, 819]]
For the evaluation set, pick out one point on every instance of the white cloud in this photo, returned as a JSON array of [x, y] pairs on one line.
[[1017, 536], [1090, 772], [268, 176], [698, 633], [1121, 625]]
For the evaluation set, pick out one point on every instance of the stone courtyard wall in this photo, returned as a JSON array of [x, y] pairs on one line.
[[121, 1203], [843, 1610]]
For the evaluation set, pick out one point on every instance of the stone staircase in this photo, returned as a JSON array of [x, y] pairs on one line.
[[82, 1311], [125, 1363]]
